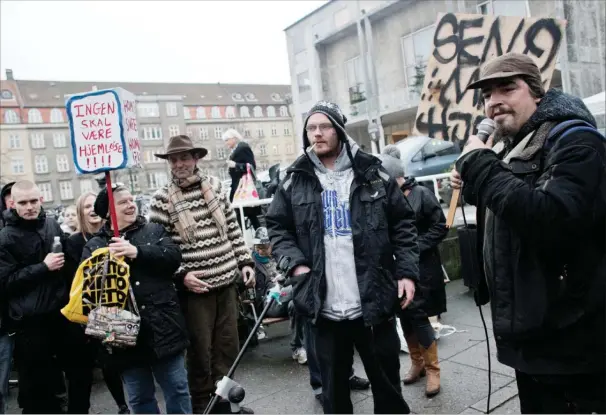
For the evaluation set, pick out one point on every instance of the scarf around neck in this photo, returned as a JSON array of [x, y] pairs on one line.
[[180, 213]]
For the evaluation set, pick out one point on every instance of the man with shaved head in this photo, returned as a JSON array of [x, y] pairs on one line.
[[34, 288]]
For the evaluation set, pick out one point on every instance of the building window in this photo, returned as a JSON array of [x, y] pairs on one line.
[[203, 133], [276, 151], [355, 80], [10, 117], [157, 180], [246, 132], [262, 150], [274, 131], [260, 133], [41, 164], [485, 8], [152, 132], [258, 111], [304, 86], [34, 116], [283, 111], [6, 94], [37, 140], [134, 182], [286, 130], [186, 113], [509, 8], [173, 130], [149, 157], [289, 149], [244, 112], [86, 186], [201, 113], [56, 115], [230, 112], [46, 191], [415, 51], [218, 133], [148, 109], [62, 163], [17, 165], [14, 141], [215, 112], [221, 153], [171, 109], [271, 111], [189, 132], [59, 140], [65, 190]]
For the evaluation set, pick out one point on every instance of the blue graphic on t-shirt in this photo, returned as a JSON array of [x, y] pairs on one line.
[[337, 219]]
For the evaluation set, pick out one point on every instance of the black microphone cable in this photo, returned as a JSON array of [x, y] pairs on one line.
[[470, 250]]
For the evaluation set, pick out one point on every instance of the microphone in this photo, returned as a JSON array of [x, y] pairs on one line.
[[485, 129]]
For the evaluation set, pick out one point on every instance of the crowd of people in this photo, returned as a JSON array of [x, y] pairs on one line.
[[351, 241]]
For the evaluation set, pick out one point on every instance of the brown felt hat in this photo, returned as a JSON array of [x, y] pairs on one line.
[[506, 66], [182, 144]]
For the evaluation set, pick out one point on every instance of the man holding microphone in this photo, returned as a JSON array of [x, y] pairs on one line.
[[540, 194]]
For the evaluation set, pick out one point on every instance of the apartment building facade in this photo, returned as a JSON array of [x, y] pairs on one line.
[[326, 63], [36, 144]]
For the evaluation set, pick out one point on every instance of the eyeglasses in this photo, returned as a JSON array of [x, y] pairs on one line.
[[322, 127]]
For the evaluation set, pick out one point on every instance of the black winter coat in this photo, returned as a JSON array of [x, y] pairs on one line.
[[163, 330], [242, 155], [382, 225], [544, 245], [431, 227], [29, 292]]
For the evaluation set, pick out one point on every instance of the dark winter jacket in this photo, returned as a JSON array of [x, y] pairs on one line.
[[242, 155], [31, 293], [542, 226], [5, 190], [383, 232], [163, 331], [431, 228]]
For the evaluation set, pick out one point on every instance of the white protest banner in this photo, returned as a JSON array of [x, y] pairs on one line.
[[103, 129], [461, 44]]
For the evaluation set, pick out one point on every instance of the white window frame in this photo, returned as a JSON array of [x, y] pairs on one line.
[[289, 149], [186, 113], [14, 141], [86, 185], [148, 109], [274, 131], [59, 140], [283, 111], [171, 109], [34, 116], [271, 111], [203, 133], [56, 116], [215, 112], [152, 132], [287, 130], [276, 151], [41, 164], [260, 132], [46, 191], [66, 190], [17, 165], [230, 112], [37, 140], [173, 130], [408, 65], [246, 133], [62, 163], [157, 179], [11, 117], [218, 133], [221, 153], [244, 112], [200, 113], [262, 150], [258, 111]]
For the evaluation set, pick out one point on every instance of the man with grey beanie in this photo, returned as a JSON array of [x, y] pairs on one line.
[[347, 238]]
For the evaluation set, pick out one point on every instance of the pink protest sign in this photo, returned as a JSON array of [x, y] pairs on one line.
[[103, 129]]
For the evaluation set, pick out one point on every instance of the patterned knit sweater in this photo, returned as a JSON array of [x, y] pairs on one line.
[[218, 259]]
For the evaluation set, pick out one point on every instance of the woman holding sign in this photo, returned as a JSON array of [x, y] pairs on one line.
[[153, 259]]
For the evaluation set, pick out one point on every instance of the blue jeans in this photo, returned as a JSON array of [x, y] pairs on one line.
[[7, 344], [171, 375]]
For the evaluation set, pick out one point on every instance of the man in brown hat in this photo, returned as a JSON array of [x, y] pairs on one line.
[[197, 214], [541, 202]]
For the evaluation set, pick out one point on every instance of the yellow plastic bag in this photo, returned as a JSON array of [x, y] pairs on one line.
[[86, 292]]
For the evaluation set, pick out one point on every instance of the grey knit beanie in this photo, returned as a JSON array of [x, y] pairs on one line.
[[390, 158]]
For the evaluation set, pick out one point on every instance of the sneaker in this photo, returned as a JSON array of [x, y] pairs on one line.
[[261, 333], [358, 384], [300, 355]]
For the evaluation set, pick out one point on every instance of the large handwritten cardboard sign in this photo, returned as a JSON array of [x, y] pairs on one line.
[[103, 129], [461, 44]]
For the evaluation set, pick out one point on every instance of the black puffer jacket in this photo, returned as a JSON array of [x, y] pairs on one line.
[[29, 291], [382, 225], [544, 244], [163, 331], [431, 227]]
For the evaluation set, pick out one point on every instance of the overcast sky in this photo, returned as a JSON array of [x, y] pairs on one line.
[[149, 41]]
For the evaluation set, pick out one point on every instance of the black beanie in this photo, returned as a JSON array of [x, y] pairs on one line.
[[334, 114], [101, 207]]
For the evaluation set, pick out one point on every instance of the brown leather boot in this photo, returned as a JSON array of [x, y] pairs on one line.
[[417, 369], [432, 367]]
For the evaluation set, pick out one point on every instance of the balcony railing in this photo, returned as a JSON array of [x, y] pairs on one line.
[[400, 99]]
